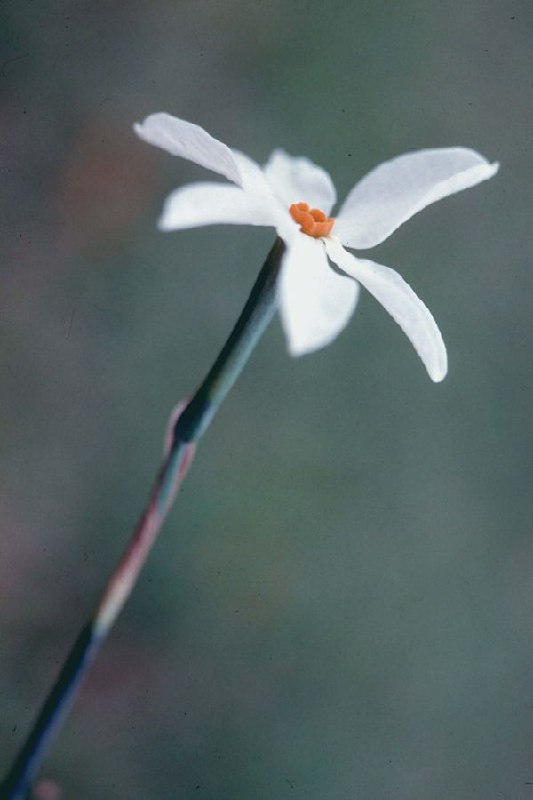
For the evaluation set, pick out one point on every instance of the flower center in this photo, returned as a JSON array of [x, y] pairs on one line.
[[312, 221]]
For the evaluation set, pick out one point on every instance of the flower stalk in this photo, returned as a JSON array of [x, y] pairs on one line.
[[187, 429]]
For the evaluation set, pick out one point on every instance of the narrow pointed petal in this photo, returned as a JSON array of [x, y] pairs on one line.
[[315, 303], [181, 138], [397, 297], [215, 203], [396, 190], [297, 180]]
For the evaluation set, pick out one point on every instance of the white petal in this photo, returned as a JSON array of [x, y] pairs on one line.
[[296, 180], [252, 176], [397, 297], [394, 191], [215, 203], [181, 138], [315, 302]]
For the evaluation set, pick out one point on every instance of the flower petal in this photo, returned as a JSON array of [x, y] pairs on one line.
[[252, 176], [315, 302], [216, 203], [181, 138], [391, 193], [397, 297], [296, 180]]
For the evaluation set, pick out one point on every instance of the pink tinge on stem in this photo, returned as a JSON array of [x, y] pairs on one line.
[[124, 577], [175, 414]]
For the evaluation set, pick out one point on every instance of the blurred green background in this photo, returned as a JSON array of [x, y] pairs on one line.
[[340, 604]]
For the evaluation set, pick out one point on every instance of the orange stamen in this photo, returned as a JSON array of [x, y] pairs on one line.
[[312, 221]]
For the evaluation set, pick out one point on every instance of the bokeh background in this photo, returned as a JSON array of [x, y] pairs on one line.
[[340, 604]]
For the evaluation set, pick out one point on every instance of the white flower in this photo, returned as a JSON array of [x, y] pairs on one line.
[[315, 300]]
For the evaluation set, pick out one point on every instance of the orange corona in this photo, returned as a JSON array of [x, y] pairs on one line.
[[312, 221]]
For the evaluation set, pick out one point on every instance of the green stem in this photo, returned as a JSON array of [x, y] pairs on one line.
[[188, 428]]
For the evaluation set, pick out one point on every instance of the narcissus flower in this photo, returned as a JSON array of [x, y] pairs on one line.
[[296, 197]]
